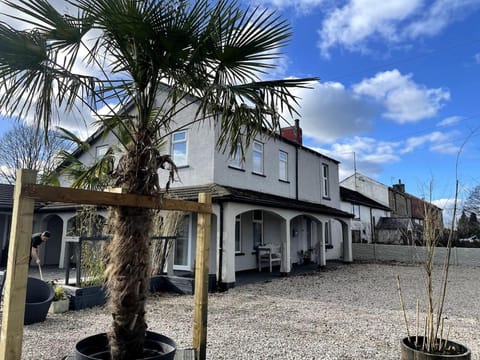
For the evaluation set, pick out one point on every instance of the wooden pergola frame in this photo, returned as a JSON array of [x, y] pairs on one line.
[[26, 192]]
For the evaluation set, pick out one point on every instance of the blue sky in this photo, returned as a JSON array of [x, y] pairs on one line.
[[400, 81], [399, 90]]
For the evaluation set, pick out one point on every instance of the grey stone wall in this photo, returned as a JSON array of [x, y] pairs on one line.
[[413, 254]]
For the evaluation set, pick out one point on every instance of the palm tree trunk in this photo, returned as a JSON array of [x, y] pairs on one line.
[[128, 266], [127, 281]]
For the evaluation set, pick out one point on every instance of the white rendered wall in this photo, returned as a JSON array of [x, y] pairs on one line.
[[368, 187]]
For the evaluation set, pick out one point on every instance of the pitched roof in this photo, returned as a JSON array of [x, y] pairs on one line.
[[357, 198], [6, 196], [221, 193], [387, 223]]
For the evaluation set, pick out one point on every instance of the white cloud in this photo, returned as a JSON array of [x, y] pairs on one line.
[[329, 111], [438, 16], [357, 22], [477, 58], [404, 100], [452, 120], [365, 154], [438, 142], [300, 6], [368, 155]]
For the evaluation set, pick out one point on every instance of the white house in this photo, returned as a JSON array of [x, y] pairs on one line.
[[280, 193], [367, 214]]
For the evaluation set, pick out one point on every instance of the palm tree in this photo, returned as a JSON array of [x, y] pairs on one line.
[[198, 53]]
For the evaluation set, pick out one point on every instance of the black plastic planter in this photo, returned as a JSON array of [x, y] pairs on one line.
[[96, 347], [410, 352], [37, 302]]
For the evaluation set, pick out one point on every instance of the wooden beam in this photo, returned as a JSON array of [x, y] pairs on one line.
[[17, 270], [201, 280], [79, 196]]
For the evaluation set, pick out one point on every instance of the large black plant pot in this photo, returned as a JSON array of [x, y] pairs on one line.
[[96, 347], [454, 351], [37, 302]]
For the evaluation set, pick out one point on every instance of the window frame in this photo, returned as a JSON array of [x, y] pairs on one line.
[[238, 234], [261, 153], [282, 176], [327, 233], [188, 243], [356, 214], [176, 142], [101, 150], [325, 181], [257, 223], [236, 160]]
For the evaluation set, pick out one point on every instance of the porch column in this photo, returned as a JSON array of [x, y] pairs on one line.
[[228, 250], [322, 259], [63, 261], [347, 241], [285, 266]]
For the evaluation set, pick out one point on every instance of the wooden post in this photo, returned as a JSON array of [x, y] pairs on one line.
[[201, 280], [17, 269]]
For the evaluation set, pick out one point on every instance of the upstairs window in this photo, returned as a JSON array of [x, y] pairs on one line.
[[236, 160], [179, 148], [356, 211], [325, 182], [283, 165], [100, 151], [258, 157]]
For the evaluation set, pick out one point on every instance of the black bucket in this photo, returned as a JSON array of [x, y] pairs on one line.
[[96, 347]]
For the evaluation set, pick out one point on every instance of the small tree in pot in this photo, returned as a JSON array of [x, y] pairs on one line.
[[431, 341], [210, 55]]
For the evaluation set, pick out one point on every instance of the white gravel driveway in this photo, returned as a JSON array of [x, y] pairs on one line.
[[348, 312]]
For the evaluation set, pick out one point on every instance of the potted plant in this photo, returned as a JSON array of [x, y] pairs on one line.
[[431, 341], [144, 62], [60, 301]]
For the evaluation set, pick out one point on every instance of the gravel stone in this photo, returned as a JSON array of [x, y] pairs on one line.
[[346, 312]]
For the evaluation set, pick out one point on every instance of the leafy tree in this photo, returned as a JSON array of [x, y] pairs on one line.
[[214, 51], [25, 147]]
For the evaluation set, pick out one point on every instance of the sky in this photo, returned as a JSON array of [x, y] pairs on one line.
[[398, 91], [398, 97]]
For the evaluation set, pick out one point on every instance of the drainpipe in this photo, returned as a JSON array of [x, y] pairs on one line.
[[220, 284], [296, 172]]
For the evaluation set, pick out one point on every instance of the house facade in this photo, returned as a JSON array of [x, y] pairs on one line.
[[367, 214], [279, 192], [402, 223]]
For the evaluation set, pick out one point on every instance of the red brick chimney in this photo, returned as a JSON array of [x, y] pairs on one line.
[[293, 133]]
